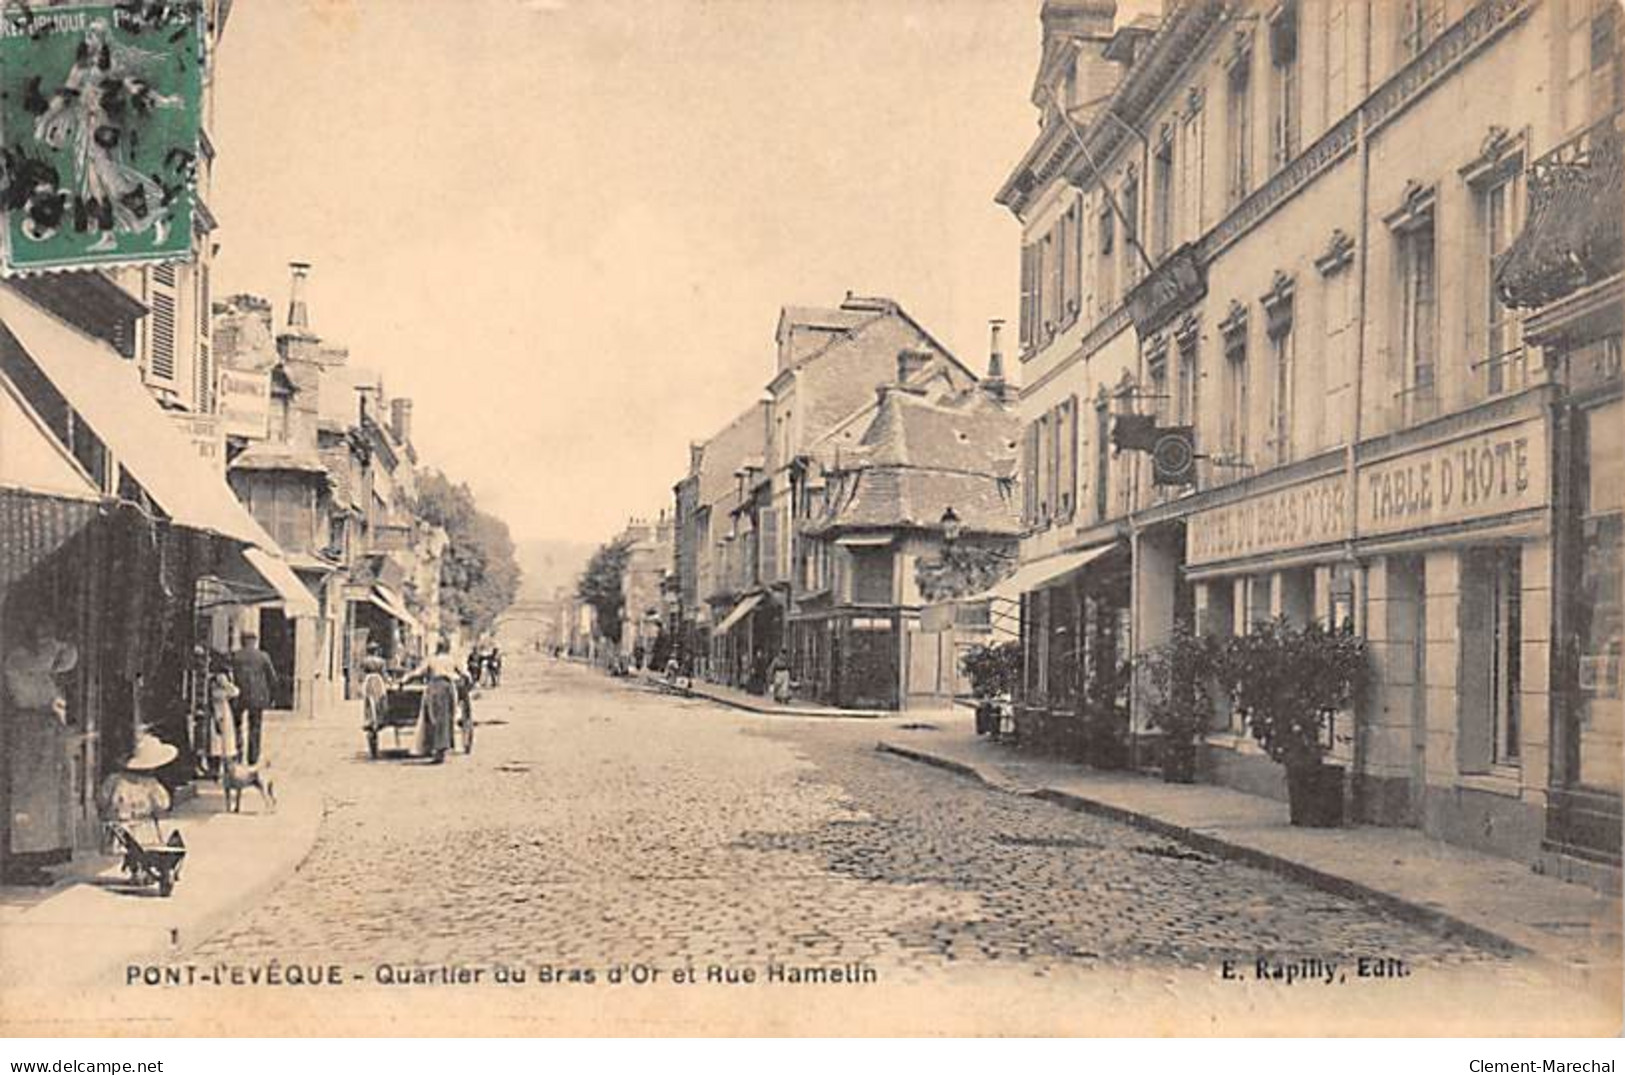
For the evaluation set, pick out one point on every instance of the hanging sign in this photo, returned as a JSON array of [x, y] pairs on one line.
[[245, 403], [100, 109]]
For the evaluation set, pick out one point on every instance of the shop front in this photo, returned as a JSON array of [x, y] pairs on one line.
[[1076, 644], [1455, 541], [1260, 554]]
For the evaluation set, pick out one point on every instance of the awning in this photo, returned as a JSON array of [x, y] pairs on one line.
[[296, 597], [740, 611], [106, 391], [34, 526], [31, 458], [390, 602], [1052, 571]]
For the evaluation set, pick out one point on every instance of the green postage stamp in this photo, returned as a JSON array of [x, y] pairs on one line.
[[99, 123]]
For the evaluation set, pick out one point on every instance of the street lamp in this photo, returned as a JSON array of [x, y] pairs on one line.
[[953, 528]]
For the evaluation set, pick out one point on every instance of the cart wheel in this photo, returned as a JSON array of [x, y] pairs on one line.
[[372, 743], [166, 882]]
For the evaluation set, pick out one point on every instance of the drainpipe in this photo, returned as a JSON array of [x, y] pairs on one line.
[[1362, 746]]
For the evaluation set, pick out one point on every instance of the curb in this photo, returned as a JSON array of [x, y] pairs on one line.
[[696, 691], [1431, 918]]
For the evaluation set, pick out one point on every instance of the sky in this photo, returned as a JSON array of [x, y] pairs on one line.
[[565, 227]]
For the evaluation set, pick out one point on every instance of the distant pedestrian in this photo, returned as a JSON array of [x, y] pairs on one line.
[[780, 672], [256, 680]]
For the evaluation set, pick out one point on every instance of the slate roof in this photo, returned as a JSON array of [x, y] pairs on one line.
[[919, 456]]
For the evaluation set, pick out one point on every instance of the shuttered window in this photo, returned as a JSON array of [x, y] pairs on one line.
[[1028, 299], [162, 326], [1067, 429]]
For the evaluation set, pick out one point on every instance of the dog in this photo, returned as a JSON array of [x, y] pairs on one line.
[[238, 775]]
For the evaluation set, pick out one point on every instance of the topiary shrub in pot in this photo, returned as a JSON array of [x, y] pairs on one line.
[[994, 671], [1287, 681], [1179, 677]]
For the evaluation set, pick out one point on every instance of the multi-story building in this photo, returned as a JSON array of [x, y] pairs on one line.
[[749, 488], [925, 463], [1280, 225], [643, 583]]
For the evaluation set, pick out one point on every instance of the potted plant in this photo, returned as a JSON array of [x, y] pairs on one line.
[[994, 671], [1178, 676], [1287, 680]]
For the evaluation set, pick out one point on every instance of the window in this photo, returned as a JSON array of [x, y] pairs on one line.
[[1162, 199], [871, 575], [1104, 275], [1239, 128], [1592, 68], [1071, 263], [162, 325], [1336, 93], [1419, 23], [1029, 297], [1191, 160], [1131, 232], [1500, 210], [1102, 458], [1066, 425], [1189, 397], [1278, 328], [1046, 468], [1049, 287], [1419, 326], [1284, 91], [1029, 475], [1236, 395], [1157, 374]]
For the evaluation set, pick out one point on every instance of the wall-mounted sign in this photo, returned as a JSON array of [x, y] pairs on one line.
[[1176, 283], [99, 119], [245, 404], [1469, 478], [203, 430], [1299, 516]]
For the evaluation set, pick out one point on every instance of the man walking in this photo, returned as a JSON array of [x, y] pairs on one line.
[[256, 680]]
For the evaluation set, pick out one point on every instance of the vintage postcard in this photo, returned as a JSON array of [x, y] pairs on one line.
[[811, 517]]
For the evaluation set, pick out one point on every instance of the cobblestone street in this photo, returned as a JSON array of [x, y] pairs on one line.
[[600, 822]]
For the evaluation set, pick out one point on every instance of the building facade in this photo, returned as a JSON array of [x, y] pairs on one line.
[[1278, 228]]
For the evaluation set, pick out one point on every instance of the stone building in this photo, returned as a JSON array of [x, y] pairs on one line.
[[1273, 230]]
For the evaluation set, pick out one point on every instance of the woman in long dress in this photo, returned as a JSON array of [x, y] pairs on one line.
[[439, 675], [223, 740], [40, 820]]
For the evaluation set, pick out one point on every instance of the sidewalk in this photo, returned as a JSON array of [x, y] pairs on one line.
[[757, 703], [1570, 929], [88, 927]]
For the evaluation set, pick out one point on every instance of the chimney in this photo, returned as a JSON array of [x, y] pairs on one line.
[[995, 354], [298, 312], [400, 420], [910, 362], [994, 383]]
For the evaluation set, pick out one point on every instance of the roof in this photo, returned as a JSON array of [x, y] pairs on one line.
[[268, 456], [919, 457], [821, 317]]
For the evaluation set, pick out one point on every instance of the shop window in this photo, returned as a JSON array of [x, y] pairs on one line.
[[1491, 665], [871, 576], [1595, 604]]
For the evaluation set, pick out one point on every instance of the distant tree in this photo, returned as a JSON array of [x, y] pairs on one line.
[[479, 576], [600, 585]]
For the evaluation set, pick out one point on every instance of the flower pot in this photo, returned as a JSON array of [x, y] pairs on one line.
[[1179, 763], [1315, 796]]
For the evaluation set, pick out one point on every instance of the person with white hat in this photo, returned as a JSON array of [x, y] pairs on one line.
[[134, 793]]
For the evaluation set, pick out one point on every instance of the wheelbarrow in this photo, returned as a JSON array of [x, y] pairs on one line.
[[158, 864]]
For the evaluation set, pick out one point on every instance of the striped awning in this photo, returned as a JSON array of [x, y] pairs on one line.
[[35, 525]]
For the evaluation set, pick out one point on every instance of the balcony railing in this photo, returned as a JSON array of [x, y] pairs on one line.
[[1575, 230]]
